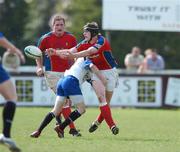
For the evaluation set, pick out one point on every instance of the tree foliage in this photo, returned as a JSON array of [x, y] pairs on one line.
[[13, 17], [38, 18], [24, 21], [165, 42]]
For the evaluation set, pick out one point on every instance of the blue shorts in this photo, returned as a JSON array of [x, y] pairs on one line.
[[4, 76], [68, 86]]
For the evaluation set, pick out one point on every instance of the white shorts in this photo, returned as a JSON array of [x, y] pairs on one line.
[[112, 78], [52, 78]]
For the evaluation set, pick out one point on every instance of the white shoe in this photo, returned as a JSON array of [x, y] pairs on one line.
[[9, 143]]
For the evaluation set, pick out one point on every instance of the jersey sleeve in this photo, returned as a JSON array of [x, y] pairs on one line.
[[99, 43], [87, 64], [42, 43]]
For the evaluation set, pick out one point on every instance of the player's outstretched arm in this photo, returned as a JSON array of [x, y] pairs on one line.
[[9, 46], [84, 53], [61, 53]]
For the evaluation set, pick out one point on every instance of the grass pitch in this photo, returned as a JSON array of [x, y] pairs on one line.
[[141, 130]]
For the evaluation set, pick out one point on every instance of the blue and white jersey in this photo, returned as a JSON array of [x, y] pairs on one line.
[[79, 69]]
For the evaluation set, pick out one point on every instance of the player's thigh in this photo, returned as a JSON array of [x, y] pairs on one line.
[[99, 89], [109, 96], [98, 86], [8, 91], [59, 102], [52, 79], [78, 101], [111, 75]]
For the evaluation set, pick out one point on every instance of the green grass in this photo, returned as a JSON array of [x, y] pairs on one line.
[[141, 130]]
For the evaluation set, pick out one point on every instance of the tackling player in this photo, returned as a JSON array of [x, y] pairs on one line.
[[55, 66], [98, 49], [69, 86]]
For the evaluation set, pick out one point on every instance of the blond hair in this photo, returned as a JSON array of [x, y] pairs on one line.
[[54, 18]]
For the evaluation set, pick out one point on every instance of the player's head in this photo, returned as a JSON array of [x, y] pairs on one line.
[[57, 23], [93, 28]]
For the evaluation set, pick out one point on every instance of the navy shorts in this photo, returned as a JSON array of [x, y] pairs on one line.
[[3, 75], [68, 86]]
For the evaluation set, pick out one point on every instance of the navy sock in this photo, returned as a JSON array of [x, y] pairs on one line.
[[8, 115], [46, 121], [58, 119], [72, 117]]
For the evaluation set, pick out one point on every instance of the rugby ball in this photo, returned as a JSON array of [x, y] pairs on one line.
[[32, 52], [10, 60]]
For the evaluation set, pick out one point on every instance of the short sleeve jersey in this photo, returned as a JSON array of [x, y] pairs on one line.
[[103, 59], [50, 40], [79, 69]]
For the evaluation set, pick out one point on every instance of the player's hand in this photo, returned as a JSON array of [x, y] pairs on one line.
[[49, 52], [70, 55], [63, 55], [40, 72]]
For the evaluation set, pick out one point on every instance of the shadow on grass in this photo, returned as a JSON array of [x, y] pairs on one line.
[[119, 138], [145, 139]]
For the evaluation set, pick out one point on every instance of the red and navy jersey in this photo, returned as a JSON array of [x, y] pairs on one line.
[[103, 59], [50, 40]]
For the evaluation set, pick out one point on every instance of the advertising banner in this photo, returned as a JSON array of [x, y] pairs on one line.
[[173, 92], [141, 15], [131, 91]]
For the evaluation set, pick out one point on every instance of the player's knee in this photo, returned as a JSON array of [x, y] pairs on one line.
[[84, 110], [55, 111], [81, 110], [11, 97], [102, 98], [57, 108]]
